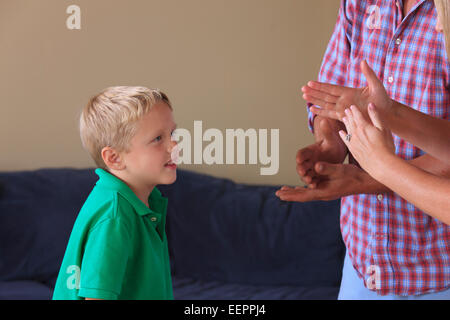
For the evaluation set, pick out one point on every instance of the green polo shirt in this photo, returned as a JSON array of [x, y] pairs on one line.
[[118, 246]]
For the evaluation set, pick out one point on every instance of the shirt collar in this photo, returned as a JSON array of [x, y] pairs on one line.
[[156, 201]]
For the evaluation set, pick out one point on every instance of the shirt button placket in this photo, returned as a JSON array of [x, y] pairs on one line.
[[380, 231]]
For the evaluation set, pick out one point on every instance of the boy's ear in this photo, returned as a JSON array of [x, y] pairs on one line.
[[112, 159]]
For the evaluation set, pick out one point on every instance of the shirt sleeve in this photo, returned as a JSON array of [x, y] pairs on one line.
[[336, 59], [104, 260]]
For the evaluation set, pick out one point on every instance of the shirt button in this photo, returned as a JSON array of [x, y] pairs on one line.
[[391, 79], [380, 197], [398, 41], [153, 219]]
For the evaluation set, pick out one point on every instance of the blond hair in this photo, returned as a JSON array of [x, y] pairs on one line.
[[110, 118], [443, 11]]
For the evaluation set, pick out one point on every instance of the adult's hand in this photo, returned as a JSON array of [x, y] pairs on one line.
[[334, 99], [337, 180], [369, 141], [328, 148]]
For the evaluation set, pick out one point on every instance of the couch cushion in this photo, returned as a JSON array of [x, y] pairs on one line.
[[191, 289], [234, 233], [24, 290]]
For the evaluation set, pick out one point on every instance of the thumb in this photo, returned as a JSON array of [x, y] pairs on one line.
[[326, 168], [375, 116], [371, 77]]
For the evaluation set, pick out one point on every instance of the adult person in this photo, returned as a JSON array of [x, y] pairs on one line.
[[406, 251], [372, 143]]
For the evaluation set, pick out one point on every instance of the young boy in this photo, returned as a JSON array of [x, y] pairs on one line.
[[118, 246]]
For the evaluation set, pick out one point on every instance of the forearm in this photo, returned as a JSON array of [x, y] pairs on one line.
[[428, 192], [369, 185], [426, 132], [431, 165]]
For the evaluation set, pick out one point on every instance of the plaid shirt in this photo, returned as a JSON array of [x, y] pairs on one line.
[[403, 249]]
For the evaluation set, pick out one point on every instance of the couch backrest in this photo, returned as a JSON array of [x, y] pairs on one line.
[[217, 230], [37, 212]]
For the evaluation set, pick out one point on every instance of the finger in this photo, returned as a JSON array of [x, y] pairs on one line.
[[297, 195], [325, 113], [347, 125], [357, 117], [332, 89], [319, 94], [343, 136], [283, 189], [304, 167], [371, 77], [375, 116], [349, 121], [303, 155], [305, 174], [314, 182], [308, 176], [319, 102], [326, 168]]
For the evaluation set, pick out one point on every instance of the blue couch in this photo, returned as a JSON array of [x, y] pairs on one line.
[[227, 240]]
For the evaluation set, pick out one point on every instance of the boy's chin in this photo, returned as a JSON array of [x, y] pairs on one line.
[[169, 179]]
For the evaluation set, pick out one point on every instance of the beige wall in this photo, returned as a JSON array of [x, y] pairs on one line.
[[229, 63]]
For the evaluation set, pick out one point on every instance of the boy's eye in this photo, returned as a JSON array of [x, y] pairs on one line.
[[158, 138]]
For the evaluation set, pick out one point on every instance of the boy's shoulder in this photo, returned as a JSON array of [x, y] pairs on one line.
[[105, 204]]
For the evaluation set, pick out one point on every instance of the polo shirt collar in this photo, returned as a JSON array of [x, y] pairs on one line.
[[155, 200]]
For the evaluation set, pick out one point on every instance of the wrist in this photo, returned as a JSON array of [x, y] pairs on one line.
[[330, 142], [391, 117], [382, 170], [370, 185]]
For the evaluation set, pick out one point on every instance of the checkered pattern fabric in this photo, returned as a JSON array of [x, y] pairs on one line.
[[389, 240]]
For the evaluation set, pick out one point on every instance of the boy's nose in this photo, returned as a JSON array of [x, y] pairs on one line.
[[175, 153], [172, 145]]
